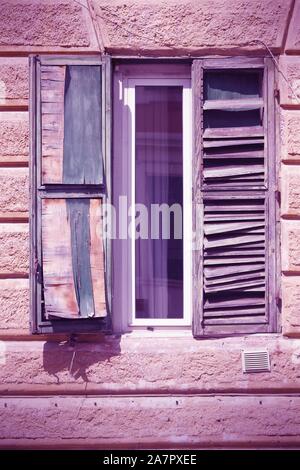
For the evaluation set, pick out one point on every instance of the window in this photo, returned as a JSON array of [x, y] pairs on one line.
[[193, 242]]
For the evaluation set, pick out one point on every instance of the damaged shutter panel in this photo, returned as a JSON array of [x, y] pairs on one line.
[[71, 112], [234, 199], [71, 189], [73, 259]]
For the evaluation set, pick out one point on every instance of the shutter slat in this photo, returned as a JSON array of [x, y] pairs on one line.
[[211, 229], [239, 251], [233, 279], [233, 302], [221, 172], [232, 241], [242, 319], [243, 199], [230, 143], [253, 284], [234, 105], [233, 155], [230, 132], [255, 209], [255, 289], [214, 261], [238, 217], [216, 272], [234, 312]]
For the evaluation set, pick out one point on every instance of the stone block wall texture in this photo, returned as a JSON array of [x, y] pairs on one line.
[[145, 389]]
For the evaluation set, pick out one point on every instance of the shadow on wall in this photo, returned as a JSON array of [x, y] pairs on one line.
[[78, 354]]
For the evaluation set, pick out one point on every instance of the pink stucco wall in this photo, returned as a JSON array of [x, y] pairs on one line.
[[143, 389]]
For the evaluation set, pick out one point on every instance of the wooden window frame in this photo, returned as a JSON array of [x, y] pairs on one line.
[[129, 90], [125, 77], [271, 167], [38, 191]]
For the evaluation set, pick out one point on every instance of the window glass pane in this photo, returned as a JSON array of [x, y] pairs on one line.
[[159, 180], [230, 85]]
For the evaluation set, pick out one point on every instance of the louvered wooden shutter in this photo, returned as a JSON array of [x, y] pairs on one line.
[[70, 187], [234, 197]]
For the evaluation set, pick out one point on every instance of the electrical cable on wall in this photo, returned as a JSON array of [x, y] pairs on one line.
[[253, 41]]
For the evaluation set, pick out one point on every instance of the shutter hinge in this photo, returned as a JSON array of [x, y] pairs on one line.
[[37, 270], [277, 94], [278, 301], [36, 265]]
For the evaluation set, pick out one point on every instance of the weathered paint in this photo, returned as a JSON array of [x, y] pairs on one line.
[[143, 364], [82, 156], [169, 27], [69, 285], [71, 124]]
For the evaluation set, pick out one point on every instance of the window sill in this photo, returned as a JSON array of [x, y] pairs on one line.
[[158, 332]]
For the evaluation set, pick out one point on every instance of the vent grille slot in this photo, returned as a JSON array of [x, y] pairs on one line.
[[256, 361]]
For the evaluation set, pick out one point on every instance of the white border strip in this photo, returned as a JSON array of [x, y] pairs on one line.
[[129, 95]]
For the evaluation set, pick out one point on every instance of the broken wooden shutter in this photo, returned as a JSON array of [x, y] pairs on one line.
[[73, 259], [71, 186], [234, 196], [71, 124]]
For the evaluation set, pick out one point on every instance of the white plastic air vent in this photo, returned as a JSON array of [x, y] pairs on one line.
[[256, 361]]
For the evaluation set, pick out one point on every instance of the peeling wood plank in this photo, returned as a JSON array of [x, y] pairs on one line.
[[52, 143], [59, 292], [71, 124], [246, 319], [230, 143], [210, 261], [234, 286], [234, 301], [220, 281], [217, 250], [239, 329], [237, 311], [232, 170], [256, 289], [97, 258], [254, 154], [238, 63], [238, 217], [237, 251], [228, 271], [78, 218], [240, 198], [251, 209], [233, 240], [233, 132], [211, 229], [82, 159]]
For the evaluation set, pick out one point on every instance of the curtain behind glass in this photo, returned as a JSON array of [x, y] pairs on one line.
[[159, 263]]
